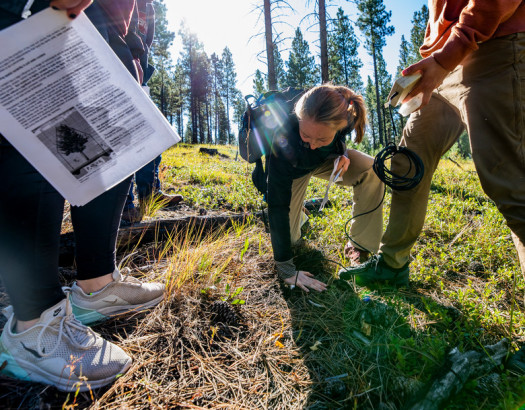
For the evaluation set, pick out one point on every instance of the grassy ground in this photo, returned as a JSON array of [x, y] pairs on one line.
[[229, 335]]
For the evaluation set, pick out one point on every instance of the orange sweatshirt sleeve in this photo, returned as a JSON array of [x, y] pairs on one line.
[[477, 21]]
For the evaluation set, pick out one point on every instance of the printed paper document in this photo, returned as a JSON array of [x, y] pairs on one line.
[[71, 108]]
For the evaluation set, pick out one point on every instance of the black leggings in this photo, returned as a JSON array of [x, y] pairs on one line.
[[31, 213]]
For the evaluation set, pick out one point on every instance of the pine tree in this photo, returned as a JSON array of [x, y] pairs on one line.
[[229, 83], [179, 92], [384, 80], [223, 136], [202, 93], [343, 58], [258, 83], [69, 141], [301, 64], [405, 56], [160, 84], [269, 10], [216, 86], [192, 59], [280, 72], [370, 99], [417, 33], [373, 22], [239, 106]]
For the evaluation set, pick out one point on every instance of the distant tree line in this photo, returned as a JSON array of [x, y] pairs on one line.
[[198, 93]]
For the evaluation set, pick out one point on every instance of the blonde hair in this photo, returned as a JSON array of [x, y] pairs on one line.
[[338, 107]]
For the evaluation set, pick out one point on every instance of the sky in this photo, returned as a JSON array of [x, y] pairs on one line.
[[237, 25]]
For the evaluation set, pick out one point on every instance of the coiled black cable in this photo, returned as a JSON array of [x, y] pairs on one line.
[[404, 182]]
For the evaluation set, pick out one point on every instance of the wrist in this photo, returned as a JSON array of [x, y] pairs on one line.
[[286, 269]]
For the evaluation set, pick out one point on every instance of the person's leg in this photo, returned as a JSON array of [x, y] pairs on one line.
[[493, 104], [296, 214], [30, 220], [101, 291], [96, 227], [148, 184], [366, 230], [429, 133], [147, 179], [42, 341]]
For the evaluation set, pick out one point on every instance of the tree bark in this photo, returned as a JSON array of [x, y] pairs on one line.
[[323, 41], [272, 78], [378, 98]]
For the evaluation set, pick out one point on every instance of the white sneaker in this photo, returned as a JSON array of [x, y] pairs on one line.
[[124, 294], [60, 351]]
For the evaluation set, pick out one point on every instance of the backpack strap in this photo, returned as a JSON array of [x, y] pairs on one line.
[[260, 177]]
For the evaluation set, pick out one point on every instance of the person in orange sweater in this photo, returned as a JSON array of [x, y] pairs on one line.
[[473, 79]]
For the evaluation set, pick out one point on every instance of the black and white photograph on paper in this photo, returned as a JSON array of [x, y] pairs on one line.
[[75, 143]]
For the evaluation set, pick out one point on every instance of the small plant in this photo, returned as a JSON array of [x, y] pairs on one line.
[[231, 295], [244, 248]]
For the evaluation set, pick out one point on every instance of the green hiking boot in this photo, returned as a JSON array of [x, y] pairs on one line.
[[376, 270]]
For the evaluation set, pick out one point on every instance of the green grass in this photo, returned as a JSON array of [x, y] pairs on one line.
[[389, 343]]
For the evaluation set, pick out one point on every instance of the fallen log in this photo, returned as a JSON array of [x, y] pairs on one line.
[[462, 366], [162, 229], [156, 231], [212, 151]]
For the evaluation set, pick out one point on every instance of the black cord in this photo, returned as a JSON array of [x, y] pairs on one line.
[[397, 182], [357, 216], [404, 182]]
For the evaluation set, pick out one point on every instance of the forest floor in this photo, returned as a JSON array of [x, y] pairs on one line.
[[229, 335]]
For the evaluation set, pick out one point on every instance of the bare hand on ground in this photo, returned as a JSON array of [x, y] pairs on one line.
[[432, 75], [306, 281], [72, 7]]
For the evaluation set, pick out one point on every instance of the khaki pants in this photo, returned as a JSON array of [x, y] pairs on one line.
[[368, 191], [486, 95]]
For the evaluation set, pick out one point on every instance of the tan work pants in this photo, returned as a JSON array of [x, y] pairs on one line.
[[486, 95], [366, 230]]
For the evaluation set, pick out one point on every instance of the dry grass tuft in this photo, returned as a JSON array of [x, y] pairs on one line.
[[197, 349]]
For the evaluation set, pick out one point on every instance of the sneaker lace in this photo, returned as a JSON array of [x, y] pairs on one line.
[[80, 336], [127, 277]]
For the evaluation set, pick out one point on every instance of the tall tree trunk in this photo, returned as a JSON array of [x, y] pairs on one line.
[[194, 120], [323, 40], [162, 94], [216, 116], [272, 79], [208, 121], [228, 113], [378, 99], [179, 123], [374, 143], [200, 115]]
